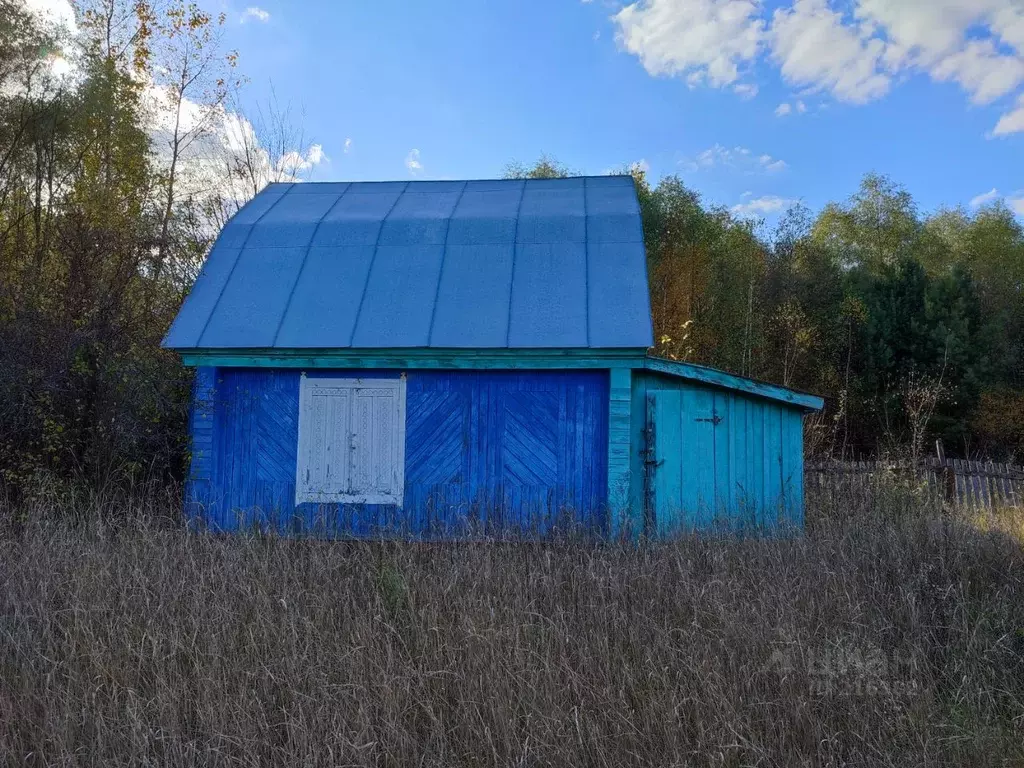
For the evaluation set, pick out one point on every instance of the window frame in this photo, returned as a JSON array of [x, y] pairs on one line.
[[307, 388]]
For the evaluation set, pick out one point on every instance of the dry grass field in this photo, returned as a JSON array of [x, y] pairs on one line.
[[887, 636]]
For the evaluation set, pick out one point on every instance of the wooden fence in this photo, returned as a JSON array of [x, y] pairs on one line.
[[972, 484]]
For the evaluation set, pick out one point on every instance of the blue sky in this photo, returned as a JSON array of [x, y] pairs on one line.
[[928, 93]]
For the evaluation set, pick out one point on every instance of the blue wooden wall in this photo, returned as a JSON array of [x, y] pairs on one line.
[[720, 457], [498, 450]]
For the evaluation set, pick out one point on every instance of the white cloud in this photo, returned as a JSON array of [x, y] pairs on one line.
[[760, 206], [1014, 201], [985, 197], [640, 165], [716, 155], [981, 71], [1008, 24], [412, 162], [978, 44], [222, 140], [814, 48], [294, 162], [785, 108], [255, 13], [745, 90], [737, 158], [854, 50], [348, 145], [1012, 121], [218, 141], [701, 40]]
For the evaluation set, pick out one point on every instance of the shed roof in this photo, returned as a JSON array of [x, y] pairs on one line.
[[717, 378], [546, 263]]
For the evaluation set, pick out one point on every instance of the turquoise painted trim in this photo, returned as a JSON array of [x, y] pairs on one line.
[[718, 378], [504, 359], [619, 473], [500, 359]]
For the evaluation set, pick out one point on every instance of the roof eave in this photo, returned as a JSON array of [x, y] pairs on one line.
[[717, 378], [416, 357]]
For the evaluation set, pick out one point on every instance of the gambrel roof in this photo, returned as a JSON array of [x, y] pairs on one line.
[[545, 263]]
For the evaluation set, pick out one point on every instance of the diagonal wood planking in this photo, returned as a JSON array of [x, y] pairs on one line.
[[500, 449]]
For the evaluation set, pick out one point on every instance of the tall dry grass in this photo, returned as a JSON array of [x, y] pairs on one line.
[[877, 639]]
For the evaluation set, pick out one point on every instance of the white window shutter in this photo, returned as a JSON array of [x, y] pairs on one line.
[[337, 470], [362, 441], [351, 441]]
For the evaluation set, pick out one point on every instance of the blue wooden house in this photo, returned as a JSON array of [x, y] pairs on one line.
[[430, 357]]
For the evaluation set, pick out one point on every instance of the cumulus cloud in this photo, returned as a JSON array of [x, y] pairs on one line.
[[814, 48], [222, 155], [1016, 205], [224, 141], [984, 197], [761, 206], [412, 162], [1012, 121], [981, 71], [854, 50], [737, 158], [785, 108], [701, 40], [745, 90], [254, 13], [293, 162]]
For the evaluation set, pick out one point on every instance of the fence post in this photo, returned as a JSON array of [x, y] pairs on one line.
[[947, 472]]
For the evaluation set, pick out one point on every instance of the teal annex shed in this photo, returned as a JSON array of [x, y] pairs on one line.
[[430, 358]]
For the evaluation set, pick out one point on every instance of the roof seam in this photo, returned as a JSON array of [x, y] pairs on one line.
[[302, 267], [369, 269], [227, 280], [512, 275], [440, 272]]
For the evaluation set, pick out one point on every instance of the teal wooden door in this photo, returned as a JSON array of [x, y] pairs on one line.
[[680, 482]]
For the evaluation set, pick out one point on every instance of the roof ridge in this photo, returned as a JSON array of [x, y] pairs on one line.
[[458, 181]]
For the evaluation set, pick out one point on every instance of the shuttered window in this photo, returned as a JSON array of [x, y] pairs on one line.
[[351, 441]]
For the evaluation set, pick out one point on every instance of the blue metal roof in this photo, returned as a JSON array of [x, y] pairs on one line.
[[541, 263]]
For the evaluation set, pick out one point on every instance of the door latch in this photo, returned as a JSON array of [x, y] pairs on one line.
[[714, 420]]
